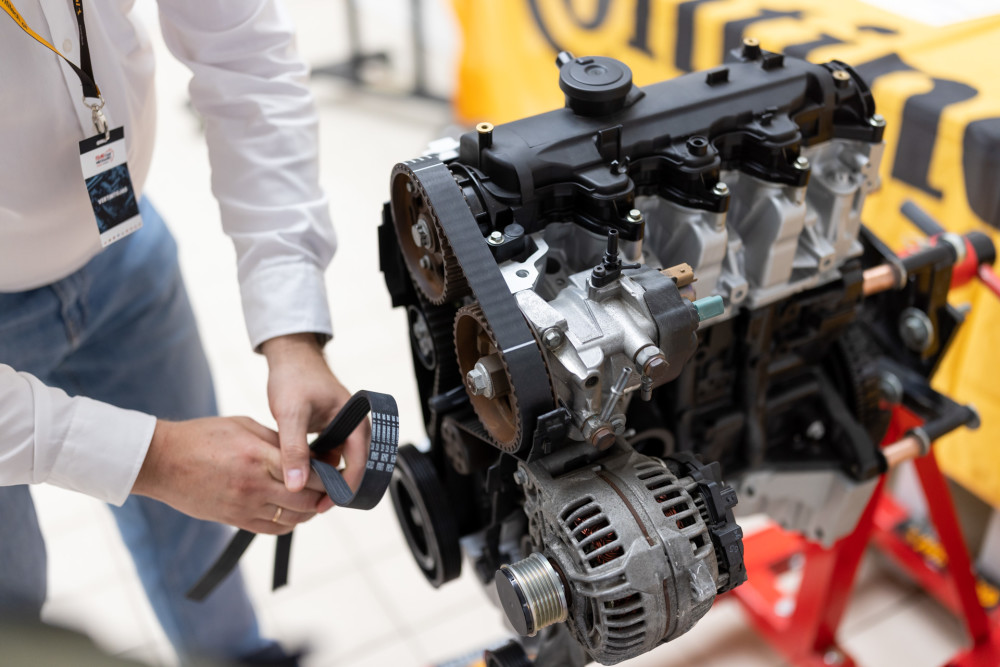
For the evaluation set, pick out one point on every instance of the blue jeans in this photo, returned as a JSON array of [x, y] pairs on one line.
[[121, 330]]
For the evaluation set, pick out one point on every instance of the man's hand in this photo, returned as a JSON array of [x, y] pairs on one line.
[[304, 396], [225, 469]]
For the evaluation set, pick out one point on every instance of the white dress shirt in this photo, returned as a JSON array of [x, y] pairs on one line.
[[249, 85]]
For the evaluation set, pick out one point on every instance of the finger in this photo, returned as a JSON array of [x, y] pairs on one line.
[[294, 449], [314, 482], [288, 517], [324, 504], [266, 527], [301, 501], [259, 430]]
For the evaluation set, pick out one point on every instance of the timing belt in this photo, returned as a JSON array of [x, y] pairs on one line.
[[374, 482], [528, 375]]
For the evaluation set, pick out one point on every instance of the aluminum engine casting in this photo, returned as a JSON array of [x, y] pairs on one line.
[[604, 295]]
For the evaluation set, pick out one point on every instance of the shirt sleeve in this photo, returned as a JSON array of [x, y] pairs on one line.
[[76, 443], [261, 125]]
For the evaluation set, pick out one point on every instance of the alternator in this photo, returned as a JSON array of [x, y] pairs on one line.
[[632, 552]]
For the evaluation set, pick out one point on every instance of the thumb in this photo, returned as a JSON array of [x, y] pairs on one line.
[[292, 430]]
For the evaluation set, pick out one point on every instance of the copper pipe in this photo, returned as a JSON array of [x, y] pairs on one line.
[[880, 279], [905, 449]]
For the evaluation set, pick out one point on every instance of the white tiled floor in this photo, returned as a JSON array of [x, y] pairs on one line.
[[392, 615]]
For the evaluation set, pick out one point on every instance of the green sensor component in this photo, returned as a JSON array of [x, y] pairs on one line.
[[709, 307]]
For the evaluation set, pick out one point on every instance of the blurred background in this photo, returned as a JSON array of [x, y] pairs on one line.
[[390, 76]]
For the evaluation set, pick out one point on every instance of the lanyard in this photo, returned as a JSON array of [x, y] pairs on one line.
[[85, 71]]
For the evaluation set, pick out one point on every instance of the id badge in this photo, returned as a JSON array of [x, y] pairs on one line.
[[110, 186]]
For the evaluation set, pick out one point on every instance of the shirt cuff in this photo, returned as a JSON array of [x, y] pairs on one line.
[[103, 450], [285, 299]]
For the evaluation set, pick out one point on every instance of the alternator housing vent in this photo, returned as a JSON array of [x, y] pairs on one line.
[[676, 503], [592, 533]]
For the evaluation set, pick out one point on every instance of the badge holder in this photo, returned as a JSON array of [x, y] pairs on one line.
[[109, 184]]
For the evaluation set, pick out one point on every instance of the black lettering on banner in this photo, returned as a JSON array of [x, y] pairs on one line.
[[886, 64], [732, 34], [684, 39], [881, 30], [595, 22], [536, 14], [640, 28], [981, 167], [918, 130], [600, 14]]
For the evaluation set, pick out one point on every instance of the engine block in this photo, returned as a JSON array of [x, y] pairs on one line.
[[613, 304]]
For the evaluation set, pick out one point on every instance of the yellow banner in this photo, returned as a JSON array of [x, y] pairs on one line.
[[937, 88]]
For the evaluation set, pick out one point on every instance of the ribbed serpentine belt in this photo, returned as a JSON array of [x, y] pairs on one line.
[[374, 482], [515, 341]]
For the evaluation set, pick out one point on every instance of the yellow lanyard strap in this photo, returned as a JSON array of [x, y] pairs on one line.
[[86, 74]]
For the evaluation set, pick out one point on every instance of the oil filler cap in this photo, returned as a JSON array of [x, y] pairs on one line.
[[594, 85]]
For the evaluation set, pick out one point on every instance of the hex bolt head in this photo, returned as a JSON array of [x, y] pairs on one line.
[[552, 338], [877, 120], [520, 477], [425, 263], [891, 388], [658, 369], [487, 378], [816, 430], [916, 330], [634, 216], [421, 233], [495, 238], [602, 437], [802, 163], [478, 382], [618, 424], [721, 189]]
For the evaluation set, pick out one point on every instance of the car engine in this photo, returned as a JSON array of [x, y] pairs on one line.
[[615, 305]]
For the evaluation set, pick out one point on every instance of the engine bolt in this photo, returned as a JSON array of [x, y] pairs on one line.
[[477, 381], [618, 424], [916, 330], [891, 388], [721, 189], [552, 338], [657, 368], [520, 477], [425, 263], [486, 378], [634, 216], [602, 437], [802, 163], [421, 232], [816, 430], [877, 120], [495, 238]]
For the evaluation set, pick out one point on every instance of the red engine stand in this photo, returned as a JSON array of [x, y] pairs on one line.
[[802, 626]]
